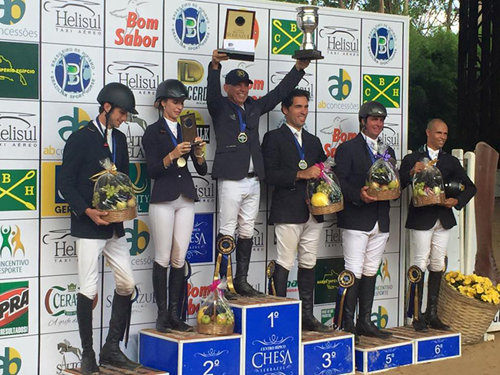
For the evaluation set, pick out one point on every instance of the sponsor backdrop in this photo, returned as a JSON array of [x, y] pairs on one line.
[[55, 56]]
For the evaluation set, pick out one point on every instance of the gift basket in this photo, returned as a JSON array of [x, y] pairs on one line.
[[215, 316], [428, 187], [323, 193], [468, 304], [383, 177], [114, 193]]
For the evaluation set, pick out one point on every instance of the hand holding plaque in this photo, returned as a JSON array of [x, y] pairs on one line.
[[238, 35], [307, 20]]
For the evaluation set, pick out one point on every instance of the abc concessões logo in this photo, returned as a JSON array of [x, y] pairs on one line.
[[382, 44], [12, 11], [190, 26], [73, 73]]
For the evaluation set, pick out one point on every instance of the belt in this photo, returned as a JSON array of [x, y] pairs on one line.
[[251, 175]]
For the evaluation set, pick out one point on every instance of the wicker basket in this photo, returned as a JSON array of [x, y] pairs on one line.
[[330, 209], [215, 329], [468, 316], [119, 216], [423, 200], [385, 195]]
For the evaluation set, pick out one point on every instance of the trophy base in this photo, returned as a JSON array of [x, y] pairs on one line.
[[307, 54], [238, 55]]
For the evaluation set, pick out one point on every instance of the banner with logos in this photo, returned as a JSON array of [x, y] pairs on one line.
[[56, 55]]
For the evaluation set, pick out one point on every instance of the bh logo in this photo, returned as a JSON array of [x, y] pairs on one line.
[[138, 237], [73, 72], [191, 26], [382, 46], [12, 11], [341, 85], [10, 362], [380, 318]]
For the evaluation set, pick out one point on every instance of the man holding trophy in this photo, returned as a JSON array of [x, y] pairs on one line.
[[239, 163]]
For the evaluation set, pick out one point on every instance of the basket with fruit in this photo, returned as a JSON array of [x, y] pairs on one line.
[[323, 193], [383, 178], [114, 193], [215, 316], [428, 186]]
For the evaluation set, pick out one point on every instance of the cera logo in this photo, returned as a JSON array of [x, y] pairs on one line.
[[338, 134], [73, 73], [138, 237], [80, 17], [380, 318], [12, 11], [382, 44], [62, 301], [14, 303], [190, 26], [10, 362], [131, 36]]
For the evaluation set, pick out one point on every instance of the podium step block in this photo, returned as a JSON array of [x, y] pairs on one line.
[[270, 327], [327, 353], [376, 355], [432, 345], [190, 353], [110, 370]]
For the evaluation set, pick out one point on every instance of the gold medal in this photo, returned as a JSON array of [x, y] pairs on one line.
[[303, 164], [181, 162], [242, 137]]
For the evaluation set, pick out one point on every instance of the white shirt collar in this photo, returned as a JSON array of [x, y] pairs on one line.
[[372, 143], [296, 133], [172, 126], [433, 153]]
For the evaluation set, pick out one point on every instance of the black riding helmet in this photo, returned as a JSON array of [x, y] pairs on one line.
[[374, 109], [171, 89], [118, 95]]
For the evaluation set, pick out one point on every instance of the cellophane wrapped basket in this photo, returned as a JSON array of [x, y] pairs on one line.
[[428, 186], [468, 304], [215, 316], [114, 193], [383, 177], [323, 193]]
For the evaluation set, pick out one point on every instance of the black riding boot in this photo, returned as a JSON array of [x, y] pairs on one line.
[[432, 302], [175, 289], [305, 279], [350, 301], [365, 326], [84, 317], [418, 318], [160, 291], [280, 279], [111, 354], [243, 254]]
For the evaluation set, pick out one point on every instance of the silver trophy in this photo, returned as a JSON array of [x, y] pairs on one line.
[[307, 20]]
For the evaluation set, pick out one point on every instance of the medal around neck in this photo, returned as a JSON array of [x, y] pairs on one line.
[[181, 162], [303, 164], [242, 137]]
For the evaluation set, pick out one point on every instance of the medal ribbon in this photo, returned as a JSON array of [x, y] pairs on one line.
[[243, 125], [177, 140], [99, 127], [300, 149]]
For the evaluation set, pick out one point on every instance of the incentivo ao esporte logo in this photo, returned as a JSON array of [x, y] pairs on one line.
[[14, 306], [382, 44], [18, 190], [383, 89], [286, 37], [10, 361], [12, 251], [18, 70], [190, 26]]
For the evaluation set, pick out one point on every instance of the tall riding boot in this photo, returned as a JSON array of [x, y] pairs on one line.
[[243, 253], [432, 302], [175, 289], [418, 318], [84, 317], [365, 326], [111, 354], [160, 292], [350, 301], [305, 279], [280, 280]]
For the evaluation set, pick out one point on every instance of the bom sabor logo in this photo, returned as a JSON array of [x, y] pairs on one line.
[[14, 305], [18, 190]]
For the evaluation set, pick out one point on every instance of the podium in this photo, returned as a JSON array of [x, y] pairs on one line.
[[374, 354], [325, 353], [110, 370], [190, 353]]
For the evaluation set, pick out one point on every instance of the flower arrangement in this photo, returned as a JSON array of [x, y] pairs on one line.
[[474, 286]]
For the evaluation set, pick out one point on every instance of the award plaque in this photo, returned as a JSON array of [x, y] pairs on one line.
[[307, 21], [238, 35], [188, 127]]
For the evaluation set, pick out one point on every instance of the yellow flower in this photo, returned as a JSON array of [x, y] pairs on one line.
[[486, 298], [467, 280], [479, 288], [498, 287]]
